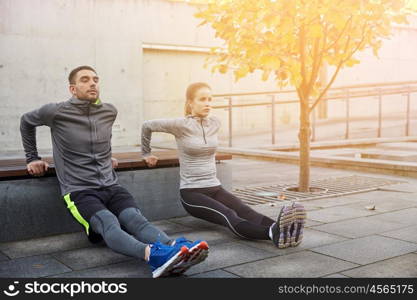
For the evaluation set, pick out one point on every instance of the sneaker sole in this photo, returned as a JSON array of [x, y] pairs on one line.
[[300, 216], [196, 254], [286, 219], [166, 268]]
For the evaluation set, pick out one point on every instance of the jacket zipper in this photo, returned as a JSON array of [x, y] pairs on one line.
[[204, 134], [92, 143]]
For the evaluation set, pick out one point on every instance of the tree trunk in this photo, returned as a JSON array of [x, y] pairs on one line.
[[304, 138]]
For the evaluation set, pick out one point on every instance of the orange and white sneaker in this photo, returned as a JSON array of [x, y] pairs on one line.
[[197, 253]]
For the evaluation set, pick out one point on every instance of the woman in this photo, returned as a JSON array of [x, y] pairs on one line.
[[202, 194]]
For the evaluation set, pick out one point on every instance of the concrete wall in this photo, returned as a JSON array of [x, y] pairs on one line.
[[396, 61], [42, 40]]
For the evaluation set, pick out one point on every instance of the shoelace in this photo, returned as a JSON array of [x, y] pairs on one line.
[[157, 245], [182, 240]]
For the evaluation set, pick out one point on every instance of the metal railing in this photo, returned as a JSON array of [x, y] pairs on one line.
[[345, 93]]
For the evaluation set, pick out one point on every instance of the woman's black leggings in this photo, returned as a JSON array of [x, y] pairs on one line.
[[216, 205]]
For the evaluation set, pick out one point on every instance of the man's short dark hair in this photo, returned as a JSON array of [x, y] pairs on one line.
[[71, 77]]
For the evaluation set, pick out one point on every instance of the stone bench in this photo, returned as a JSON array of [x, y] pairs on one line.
[[32, 207]]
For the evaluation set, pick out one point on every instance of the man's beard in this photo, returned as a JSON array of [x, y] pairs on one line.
[[91, 99]]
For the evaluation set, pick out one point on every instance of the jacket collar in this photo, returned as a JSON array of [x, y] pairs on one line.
[[85, 103], [204, 120]]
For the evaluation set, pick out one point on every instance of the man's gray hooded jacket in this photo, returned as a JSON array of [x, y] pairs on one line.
[[81, 139]]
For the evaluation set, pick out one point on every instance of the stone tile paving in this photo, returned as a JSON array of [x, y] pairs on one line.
[[33, 266], [45, 245], [367, 250], [401, 266], [300, 264], [342, 239]]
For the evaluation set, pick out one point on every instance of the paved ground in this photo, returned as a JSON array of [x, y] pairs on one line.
[[342, 238]]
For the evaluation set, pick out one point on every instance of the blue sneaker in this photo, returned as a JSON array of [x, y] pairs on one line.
[[163, 258], [197, 252]]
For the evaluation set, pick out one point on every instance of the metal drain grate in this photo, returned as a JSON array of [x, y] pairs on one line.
[[332, 187]]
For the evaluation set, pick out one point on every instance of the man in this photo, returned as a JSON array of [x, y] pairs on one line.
[[81, 130]]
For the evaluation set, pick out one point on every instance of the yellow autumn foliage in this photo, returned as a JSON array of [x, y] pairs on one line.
[[297, 37]]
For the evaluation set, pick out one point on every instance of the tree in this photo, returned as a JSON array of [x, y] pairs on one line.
[[292, 40]]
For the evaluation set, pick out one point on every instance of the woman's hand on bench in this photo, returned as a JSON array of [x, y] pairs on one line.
[[37, 167], [151, 161]]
